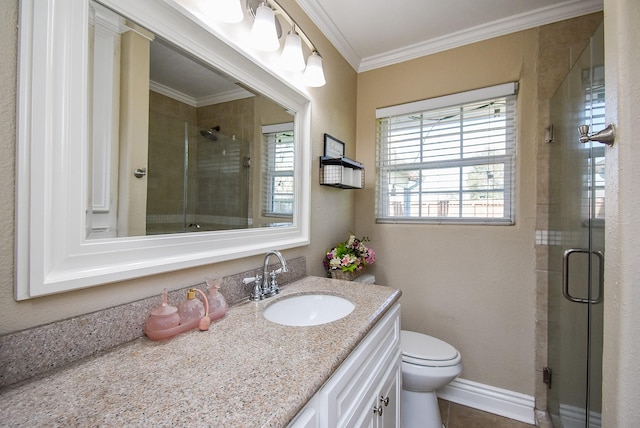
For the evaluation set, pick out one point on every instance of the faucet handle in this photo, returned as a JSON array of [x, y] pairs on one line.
[[274, 288], [257, 293], [251, 279]]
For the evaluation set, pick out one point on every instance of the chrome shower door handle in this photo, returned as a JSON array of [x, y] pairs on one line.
[[565, 275], [606, 136]]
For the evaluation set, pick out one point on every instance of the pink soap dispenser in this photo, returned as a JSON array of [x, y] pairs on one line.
[[163, 317], [191, 309], [217, 303]]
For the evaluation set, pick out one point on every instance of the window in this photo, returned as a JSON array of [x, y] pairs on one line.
[[277, 179], [448, 159], [594, 113]]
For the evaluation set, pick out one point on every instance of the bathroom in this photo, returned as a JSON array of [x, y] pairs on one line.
[[492, 309]]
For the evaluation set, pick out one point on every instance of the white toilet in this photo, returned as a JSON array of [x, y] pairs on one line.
[[427, 365]]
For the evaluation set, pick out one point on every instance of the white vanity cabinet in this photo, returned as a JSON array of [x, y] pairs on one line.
[[365, 390]]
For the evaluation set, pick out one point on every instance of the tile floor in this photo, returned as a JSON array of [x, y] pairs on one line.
[[458, 416]]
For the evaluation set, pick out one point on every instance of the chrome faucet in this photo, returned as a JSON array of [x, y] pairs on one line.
[[266, 286], [269, 284]]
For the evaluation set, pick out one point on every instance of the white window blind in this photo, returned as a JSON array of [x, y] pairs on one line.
[[277, 180], [450, 162], [593, 206]]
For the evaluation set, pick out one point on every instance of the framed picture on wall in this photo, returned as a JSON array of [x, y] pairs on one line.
[[333, 148]]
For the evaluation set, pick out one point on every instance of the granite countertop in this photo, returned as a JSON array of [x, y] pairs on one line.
[[244, 372]]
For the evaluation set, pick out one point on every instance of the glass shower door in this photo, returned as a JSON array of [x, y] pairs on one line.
[[576, 247], [195, 183]]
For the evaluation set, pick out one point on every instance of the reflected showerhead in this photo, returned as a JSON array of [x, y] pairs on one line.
[[210, 133]]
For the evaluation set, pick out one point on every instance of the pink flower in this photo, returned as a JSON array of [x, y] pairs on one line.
[[350, 255]]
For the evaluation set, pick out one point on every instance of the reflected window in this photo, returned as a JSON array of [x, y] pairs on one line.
[[594, 114], [278, 170]]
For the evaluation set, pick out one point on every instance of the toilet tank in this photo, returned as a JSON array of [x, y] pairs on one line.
[[366, 278]]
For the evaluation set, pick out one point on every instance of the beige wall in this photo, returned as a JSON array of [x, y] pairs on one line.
[[475, 286], [134, 127], [486, 308], [621, 373], [472, 286], [333, 112]]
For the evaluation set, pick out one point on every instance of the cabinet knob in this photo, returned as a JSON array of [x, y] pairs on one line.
[[378, 410], [384, 400]]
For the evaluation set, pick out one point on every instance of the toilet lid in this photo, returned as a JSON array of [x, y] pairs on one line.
[[421, 349]]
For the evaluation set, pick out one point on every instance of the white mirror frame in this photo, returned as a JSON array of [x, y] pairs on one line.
[[53, 254]]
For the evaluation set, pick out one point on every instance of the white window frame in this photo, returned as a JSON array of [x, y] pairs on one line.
[[271, 172], [385, 168]]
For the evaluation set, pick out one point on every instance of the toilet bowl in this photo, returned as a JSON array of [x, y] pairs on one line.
[[427, 365]]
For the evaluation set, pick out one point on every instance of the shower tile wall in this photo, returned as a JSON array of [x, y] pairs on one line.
[[235, 118], [206, 197], [223, 184]]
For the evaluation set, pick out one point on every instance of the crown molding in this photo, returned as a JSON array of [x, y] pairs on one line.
[[321, 18], [547, 15], [233, 95]]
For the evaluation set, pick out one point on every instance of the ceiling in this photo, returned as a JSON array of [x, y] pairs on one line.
[[372, 34], [375, 33], [184, 78]]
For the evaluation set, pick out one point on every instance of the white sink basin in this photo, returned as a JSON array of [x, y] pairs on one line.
[[308, 309]]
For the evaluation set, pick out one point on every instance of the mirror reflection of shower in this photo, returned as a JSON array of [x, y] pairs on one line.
[[210, 133], [199, 180]]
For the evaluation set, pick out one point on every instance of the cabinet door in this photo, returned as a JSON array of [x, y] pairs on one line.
[[383, 410], [349, 393], [389, 397], [370, 420], [372, 370], [307, 418]]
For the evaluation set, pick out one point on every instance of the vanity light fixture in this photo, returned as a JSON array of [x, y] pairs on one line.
[[314, 74], [264, 35], [292, 57], [266, 31]]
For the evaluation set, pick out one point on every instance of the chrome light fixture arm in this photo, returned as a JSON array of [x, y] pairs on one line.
[[252, 6]]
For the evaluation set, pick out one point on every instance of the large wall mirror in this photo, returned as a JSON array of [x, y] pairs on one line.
[[149, 142]]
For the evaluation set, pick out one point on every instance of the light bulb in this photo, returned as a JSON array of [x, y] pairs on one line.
[[292, 58], [264, 35], [314, 74]]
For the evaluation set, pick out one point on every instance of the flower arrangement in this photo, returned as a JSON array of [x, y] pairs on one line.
[[350, 256]]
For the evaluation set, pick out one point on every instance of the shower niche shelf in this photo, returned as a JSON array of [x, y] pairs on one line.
[[342, 172]]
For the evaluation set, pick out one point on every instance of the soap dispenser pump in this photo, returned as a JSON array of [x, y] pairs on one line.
[[191, 309]]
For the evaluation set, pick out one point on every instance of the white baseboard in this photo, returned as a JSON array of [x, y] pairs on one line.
[[512, 405]]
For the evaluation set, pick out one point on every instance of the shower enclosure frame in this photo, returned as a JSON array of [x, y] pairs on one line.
[[576, 247]]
